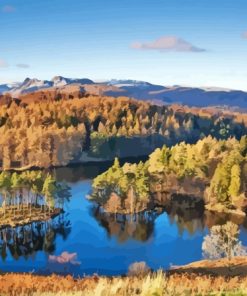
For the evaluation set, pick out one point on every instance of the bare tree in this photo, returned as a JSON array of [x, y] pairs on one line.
[[223, 242]]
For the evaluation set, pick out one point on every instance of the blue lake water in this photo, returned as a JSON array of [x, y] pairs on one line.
[[86, 241]]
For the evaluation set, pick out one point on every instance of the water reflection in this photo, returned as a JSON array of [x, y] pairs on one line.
[[28, 239], [75, 173], [187, 212], [139, 227], [95, 241], [197, 220]]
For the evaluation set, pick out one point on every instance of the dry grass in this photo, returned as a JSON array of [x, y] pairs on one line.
[[237, 266], [152, 284], [23, 216]]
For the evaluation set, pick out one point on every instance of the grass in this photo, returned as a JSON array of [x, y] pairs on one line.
[[155, 284], [16, 217]]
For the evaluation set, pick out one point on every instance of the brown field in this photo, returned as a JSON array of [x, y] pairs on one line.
[[153, 284], [184, 281]]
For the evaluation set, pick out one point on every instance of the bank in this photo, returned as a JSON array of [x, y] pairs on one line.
[[198, 278]]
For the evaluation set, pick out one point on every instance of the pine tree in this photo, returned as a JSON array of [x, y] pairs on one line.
[[234, 188], [49, 190], [243, 145], [5, 186]]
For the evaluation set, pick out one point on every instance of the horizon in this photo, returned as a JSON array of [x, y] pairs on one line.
[[211, 87], [162, 42]]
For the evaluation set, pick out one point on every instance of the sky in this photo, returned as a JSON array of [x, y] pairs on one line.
[[168, 42]]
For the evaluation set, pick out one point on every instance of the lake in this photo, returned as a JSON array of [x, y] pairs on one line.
[[84, 240]]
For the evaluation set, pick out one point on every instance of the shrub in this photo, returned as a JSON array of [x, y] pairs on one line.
[[138, 269]]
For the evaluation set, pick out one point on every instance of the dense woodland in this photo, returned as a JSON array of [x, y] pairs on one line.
[[212, 170], [58, 131]]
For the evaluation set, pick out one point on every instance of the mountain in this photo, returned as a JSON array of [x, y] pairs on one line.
[[198, 97], [29, 85], [61, 81], [8, 87], [134, 84], [4, 88], [202, 97], [32, 85]]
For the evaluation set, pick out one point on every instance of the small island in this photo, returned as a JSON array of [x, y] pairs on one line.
[[211, 172], [30, 196]]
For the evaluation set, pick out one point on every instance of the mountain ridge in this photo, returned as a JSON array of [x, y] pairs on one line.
[[191, 96]]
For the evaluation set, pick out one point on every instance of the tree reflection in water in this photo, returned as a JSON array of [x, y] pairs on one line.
[[137, 226], [188, 217], [25, 241], [187, 212]]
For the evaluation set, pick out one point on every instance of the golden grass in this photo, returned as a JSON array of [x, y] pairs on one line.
[[24, 216], [155, 284]]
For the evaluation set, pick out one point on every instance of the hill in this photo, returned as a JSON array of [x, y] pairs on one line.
[[50, 128], [191, 96]]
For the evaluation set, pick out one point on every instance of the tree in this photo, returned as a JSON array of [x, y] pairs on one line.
[[142, 183], [159, 160], [5, 186], [113, 204], [37, 186], [16, 183], [49, 190], [223, 242], [220, 183], [234, 188], [243, 145]]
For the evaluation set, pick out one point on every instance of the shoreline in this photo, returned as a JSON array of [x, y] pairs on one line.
[[217, 208], [197, 278], [26, 218], [162, 207], [91, 161], [222, 209]]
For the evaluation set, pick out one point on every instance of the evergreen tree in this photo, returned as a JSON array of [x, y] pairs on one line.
[[234, 188], [5, 186]]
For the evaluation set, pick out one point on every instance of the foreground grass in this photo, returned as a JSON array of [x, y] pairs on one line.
[[155, 284]]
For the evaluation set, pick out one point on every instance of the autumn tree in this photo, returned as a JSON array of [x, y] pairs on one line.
[[223, 241], [235, 183]]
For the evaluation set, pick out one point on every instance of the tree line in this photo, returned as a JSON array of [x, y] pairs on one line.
[[57, 132]]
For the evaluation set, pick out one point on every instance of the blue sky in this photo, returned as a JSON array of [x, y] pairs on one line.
[[186, 42]]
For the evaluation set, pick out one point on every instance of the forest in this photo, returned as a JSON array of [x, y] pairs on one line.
[[59, 131], [213, 171]]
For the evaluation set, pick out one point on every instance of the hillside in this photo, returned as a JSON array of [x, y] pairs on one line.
[[52, 129], [141, 90], [221, 267]]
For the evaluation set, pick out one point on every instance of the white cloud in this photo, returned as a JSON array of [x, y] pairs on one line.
[[168, 43], [245, 35], [3, 63], [23, 66], [8, 8]]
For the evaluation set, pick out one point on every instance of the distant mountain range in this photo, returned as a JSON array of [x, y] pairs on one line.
[[199, 97]]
